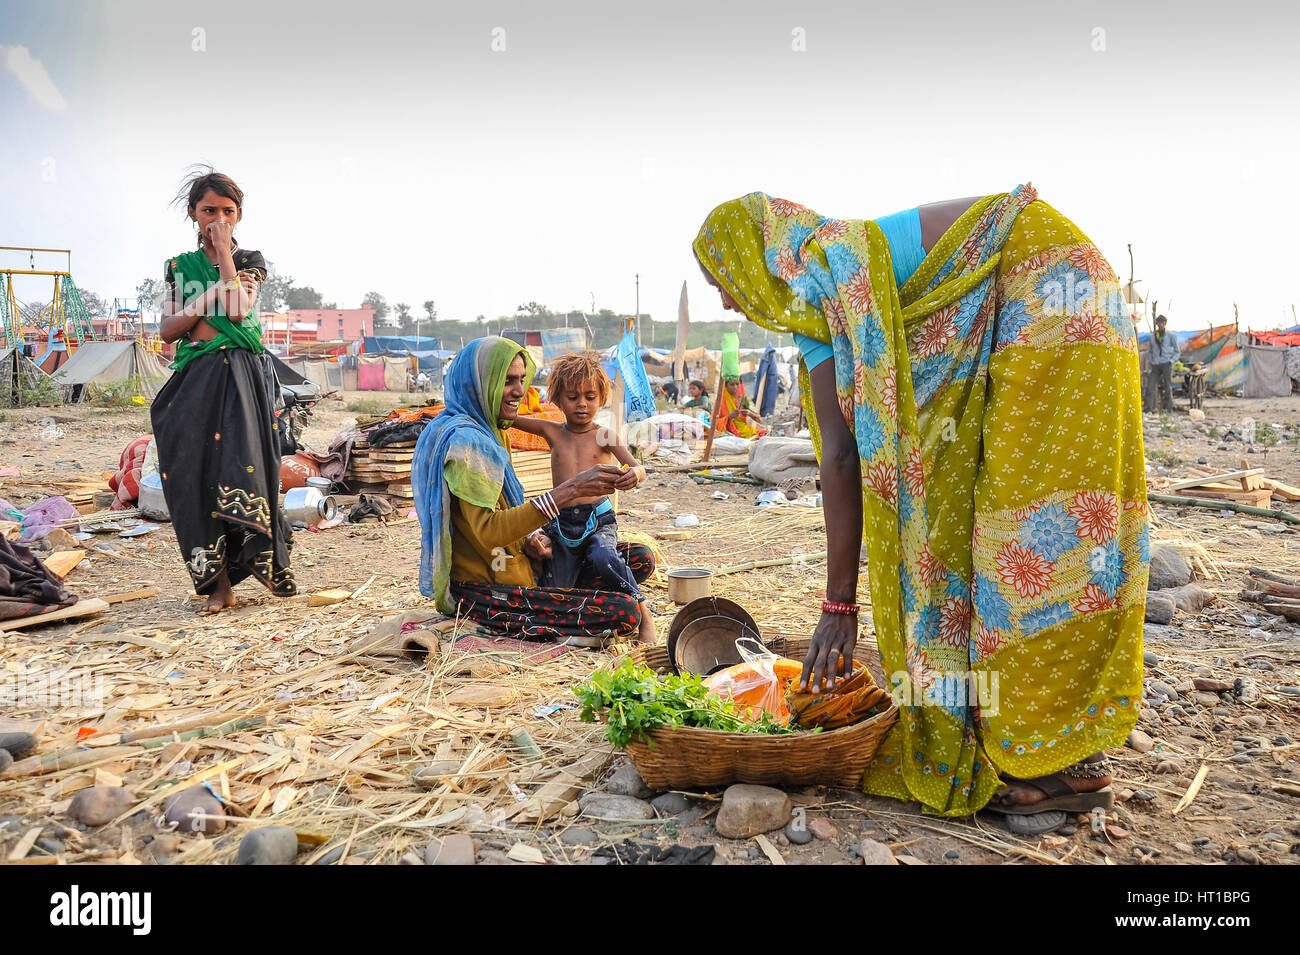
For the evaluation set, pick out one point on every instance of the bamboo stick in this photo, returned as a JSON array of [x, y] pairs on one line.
[[1225, 476], [713, 416], [1224, 506], [778, 562]]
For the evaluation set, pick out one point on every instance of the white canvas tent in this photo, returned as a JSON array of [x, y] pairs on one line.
[[110, 363], [21, 380]]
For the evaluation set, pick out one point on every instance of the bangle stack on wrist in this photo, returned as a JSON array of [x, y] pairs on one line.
[[546, 504], [842, 609]]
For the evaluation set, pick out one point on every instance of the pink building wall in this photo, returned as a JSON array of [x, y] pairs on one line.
[[337, 324]]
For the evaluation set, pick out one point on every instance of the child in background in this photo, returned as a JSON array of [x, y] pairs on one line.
[[585, 537]]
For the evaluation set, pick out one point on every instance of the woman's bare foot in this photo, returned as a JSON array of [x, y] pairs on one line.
[[1024, 793], [220, 598], [646, 632]]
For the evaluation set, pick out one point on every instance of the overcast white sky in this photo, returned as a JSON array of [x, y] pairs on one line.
[[387, 146]]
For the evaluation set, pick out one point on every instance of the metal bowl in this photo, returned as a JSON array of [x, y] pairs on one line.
[[707, 646]]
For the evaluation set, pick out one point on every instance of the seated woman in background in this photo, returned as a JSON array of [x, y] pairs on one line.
[[480, 538], [737, 413], [699, 395]]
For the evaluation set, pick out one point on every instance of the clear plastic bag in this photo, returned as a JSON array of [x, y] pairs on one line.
[[754, 685]]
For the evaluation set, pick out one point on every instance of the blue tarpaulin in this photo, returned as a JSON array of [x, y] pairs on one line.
[[401, 344], [561, 341], [638, 399], [767, 370]]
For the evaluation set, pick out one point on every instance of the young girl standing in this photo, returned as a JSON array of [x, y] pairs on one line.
[[218, 453]]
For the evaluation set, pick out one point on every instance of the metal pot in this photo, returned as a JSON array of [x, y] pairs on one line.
[[307, 505], [689, 583]]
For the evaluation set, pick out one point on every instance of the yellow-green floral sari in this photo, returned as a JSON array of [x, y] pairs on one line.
[[995, 403]]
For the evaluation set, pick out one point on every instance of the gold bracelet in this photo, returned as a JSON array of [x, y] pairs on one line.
[[229, 285]]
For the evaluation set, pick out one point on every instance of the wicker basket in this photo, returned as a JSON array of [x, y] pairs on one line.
[[685, 757]]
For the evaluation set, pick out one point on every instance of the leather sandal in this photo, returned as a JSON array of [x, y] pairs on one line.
[[1059, 794]]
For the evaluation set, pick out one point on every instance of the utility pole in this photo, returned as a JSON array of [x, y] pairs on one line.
[[637, 321]]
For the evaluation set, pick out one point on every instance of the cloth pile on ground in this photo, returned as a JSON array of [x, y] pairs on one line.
[[27, 587]]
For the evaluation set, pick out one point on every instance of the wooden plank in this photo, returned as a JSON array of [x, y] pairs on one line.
[[1225, 476], [1285, 491], [62, 562], [1256, 498], [82, 608], [131, 595]]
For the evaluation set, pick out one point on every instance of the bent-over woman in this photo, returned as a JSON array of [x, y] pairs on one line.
[[975, 401]]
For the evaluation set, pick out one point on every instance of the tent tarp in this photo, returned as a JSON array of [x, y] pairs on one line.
[[395, 372], [1266, 375], [21, 379], [561, 341], [370, 375], [105, 363], [400, 343]]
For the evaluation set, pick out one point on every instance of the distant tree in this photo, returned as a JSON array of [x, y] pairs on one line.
[[379, 304], [96, 307], [274, 291], [150, 292], [330, 305], [534, 311], [403, 314], [431, 310], [304, 297]]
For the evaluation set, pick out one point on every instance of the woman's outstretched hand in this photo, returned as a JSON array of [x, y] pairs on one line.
[[835, 637], [596, 481]]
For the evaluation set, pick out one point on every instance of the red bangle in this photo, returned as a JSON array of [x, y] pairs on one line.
[[847, 610]]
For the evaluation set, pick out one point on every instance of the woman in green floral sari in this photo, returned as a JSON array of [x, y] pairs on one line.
[[974, 397]]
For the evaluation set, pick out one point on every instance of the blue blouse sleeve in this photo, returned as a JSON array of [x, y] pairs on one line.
[[813, 351]]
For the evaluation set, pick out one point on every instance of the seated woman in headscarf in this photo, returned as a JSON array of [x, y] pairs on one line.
[[974, 400], [479, 536]]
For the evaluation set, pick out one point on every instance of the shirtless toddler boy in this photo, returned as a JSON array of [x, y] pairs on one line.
[[585, 537]]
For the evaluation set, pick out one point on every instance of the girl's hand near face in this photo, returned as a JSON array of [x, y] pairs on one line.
[[220, 235]]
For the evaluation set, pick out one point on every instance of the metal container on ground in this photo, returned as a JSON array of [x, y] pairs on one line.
[[689, 583]]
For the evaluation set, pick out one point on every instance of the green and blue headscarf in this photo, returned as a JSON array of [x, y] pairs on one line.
[[464, 452]]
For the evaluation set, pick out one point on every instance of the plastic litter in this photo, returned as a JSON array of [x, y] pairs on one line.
[[687, 520], [720, 495]]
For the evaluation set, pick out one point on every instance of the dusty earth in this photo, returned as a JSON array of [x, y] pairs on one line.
[[342, 736]]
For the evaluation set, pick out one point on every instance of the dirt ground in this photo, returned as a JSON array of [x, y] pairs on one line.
[[344, 732]]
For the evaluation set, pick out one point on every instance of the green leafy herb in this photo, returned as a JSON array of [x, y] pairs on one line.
[[637, 700]]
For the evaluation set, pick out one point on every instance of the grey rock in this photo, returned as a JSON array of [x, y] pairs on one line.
[[1168, 569], [876, 853], [410, 858], [1183, 847], [1067, 829], [747, 811], [5, 760], [1189, 598], [597, 805], [332, 856], [268, 845], [52, 846], [183, 808], [98, 804], [1238, 802], [1149, 658], [18, 745], [1155, 634], [952, 854], [1144, 795], [1248, 856], [1281, 739], [1254, 720], [1159, 609], [457, 849], [1140, 741], [1239, 758], [578, 837], [626, 781], [1163, 689], [800, 835], [1290, 690], [670, 804]]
